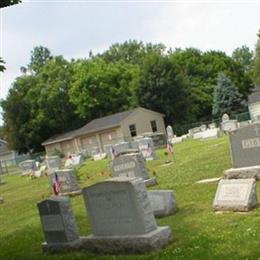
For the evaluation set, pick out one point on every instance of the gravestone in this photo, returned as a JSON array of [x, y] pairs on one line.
[[132, 165], [212, 126], [235, 195], [228, 125], [169, 131], [27, 166], [146, 147], [121, 218], [122, 147], [53, 163], [163, 202], [210, 134], [77, 159], [58, 224], [245, 146], [66, 181]]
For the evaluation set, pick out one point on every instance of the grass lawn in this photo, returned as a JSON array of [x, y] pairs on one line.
[[198, 232]]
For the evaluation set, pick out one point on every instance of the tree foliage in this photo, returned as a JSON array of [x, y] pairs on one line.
[[2, 67], [5, 3], [226, 97], [54, 95]]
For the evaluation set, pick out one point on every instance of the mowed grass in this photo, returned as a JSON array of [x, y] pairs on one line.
[[198, 232]]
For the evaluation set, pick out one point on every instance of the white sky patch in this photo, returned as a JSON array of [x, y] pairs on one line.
[[74, 28]]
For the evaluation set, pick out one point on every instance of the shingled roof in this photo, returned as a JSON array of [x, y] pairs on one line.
[[93, 126]]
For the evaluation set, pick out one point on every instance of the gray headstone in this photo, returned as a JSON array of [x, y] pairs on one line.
[[122, 147], [53, 163], [245, 146], [243, 173], [119, 206], [121, 218], [58, 221], [28, 165], [163, 202], [130, 165], [67, 179], [146, 147], [235, 195]]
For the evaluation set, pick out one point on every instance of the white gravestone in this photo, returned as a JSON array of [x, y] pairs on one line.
[[163, 202], [58, 224], [121, 218], [235, 195]]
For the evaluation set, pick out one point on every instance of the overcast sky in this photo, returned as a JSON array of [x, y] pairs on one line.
[[73, 28]]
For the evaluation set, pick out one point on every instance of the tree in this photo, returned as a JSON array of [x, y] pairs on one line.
[[244, 56], [257, 61], [226, 97], [39, 57], [2, 67], [5, 3], [38, 106], [164, 88], [100, 88]]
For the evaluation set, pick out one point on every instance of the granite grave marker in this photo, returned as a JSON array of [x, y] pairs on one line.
[[121, 218]]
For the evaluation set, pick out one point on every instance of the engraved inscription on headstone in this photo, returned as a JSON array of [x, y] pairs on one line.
[[245, 146], [235, 195], [130, 165], [53, 163]]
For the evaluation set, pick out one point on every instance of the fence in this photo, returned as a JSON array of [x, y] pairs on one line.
[[183, 129]]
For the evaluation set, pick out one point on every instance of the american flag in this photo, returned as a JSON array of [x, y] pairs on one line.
[[56, 184], [113, 153], [170, 148]]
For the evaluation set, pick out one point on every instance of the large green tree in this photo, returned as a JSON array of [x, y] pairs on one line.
[[226, 97], [100, 88], [164, 88]]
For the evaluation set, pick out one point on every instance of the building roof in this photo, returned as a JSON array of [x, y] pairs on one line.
[[255, 95], [95, 125]]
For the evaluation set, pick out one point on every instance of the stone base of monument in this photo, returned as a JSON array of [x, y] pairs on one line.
[[61, 247], [150, 182], [243, 173], [134, 244]]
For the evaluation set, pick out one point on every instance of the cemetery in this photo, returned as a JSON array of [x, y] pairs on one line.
[[176, 218]]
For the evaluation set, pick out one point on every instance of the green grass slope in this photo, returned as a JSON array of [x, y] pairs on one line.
[[198, 232]]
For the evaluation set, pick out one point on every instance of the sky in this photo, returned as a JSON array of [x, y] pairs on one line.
[[72, 28]]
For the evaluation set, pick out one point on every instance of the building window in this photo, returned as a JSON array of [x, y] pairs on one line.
[[153, 126], [132, 130]]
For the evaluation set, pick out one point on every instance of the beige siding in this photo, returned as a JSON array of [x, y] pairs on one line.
[[68, 147], [50, 148], [142, 120], [111, 137], [89, 142]]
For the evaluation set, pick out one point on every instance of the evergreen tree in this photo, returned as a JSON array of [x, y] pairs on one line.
[[226, 97]]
